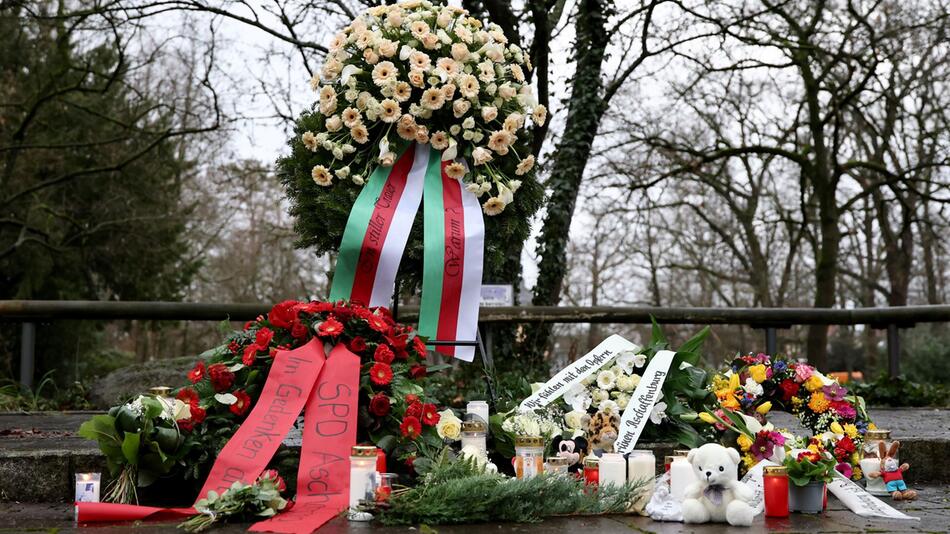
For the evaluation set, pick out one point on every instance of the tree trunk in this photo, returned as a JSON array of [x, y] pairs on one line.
[[826, 271], [583, 118]]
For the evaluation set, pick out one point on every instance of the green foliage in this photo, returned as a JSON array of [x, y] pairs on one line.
[[803, 471], [46, 395], [900, 391], [445, 496]]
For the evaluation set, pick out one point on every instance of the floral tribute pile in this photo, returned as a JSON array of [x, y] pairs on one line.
[[754, 385], [417, 72], [153, 437]]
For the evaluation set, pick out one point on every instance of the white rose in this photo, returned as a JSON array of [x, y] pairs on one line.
[[574, 419], [449, 426]]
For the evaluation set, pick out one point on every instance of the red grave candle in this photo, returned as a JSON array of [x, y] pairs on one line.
[[775, 485], [591, 470]]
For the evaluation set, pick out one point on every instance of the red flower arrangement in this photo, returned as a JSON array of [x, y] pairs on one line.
[[392, 358]]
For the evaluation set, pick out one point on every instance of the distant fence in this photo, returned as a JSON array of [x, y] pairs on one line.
[[30, 312]]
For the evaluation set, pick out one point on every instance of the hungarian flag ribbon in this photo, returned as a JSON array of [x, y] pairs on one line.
[[298, 378], [452, 262], [377, 231]]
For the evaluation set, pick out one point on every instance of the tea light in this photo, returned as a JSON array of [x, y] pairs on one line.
[[479, 408], [87, 487]]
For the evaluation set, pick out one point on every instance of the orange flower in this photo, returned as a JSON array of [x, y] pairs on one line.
[[818, 402]]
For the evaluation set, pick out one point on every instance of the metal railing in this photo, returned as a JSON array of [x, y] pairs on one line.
[[30, 312]]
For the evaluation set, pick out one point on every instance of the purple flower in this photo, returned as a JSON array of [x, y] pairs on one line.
[[764, 445], [845, 410], [835, 392], [845, 469]]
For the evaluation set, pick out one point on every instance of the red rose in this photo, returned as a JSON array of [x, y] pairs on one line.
[[299, 330], [789, 389], [410, 398], [419, 346], [272, 474], [188, 396], [331, 327], [250, 354], [198, 414], [381, 374], [377, 323], [430, 416], [242, 405], [357, 344], [383, 354], [283, 314], [185, 425], [263, 337], [221, 378], [398, 341], [198, 373], [414, 410], [379, 405], [418, 371], [411, 427]]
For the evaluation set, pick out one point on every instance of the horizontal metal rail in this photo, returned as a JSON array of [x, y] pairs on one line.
[[46, 310]]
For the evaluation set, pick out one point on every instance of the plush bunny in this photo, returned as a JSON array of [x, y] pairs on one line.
[[893, 474]]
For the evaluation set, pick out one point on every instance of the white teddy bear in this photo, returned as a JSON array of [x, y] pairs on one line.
[[718, 495]]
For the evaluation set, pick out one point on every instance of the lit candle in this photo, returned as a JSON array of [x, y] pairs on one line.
[[591, 470], [87, 487], [362, 480], [529, 456], [479, 408], [613, 469], [474, 434]]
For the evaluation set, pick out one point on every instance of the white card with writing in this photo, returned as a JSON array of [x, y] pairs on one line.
[[637, 414], [753, 478], [573, 374], [861, 502]]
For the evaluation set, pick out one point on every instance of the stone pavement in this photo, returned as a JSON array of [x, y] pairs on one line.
[[933, 509]]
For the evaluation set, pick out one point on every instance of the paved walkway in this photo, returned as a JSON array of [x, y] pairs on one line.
[[933, 508]]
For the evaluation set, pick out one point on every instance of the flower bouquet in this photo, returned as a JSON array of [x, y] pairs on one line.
[[141, 442], [241, 501], [409, 73]]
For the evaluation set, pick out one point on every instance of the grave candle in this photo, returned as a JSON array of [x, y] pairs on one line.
[[87, 487], [362, 480], [775, 488], [613, 469], [479, 408]]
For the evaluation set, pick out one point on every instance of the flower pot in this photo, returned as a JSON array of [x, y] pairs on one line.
[[807, 499]]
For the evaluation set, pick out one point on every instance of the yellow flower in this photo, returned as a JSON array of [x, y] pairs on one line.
[[708, 418], [727, 399], [734, 381], [720, 382], [855, 458], [749, 461], [851, 430], [857, 474], [744, 442], [757, 372], [796, 404], [813, 448], [764, 407], [872, 426], [814, 383], [818, 402], [836, 428]]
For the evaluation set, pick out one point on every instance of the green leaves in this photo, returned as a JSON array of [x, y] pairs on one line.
[[130, 447]]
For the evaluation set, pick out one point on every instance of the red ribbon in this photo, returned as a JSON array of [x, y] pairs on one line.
[[330, 391]]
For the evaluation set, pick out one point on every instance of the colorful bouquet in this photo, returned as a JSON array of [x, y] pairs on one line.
[[811, 465], [754, 385]]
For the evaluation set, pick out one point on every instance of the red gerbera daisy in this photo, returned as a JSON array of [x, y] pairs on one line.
[[242, 405], [198, 373], [198, 414], [330, 327], [411, 427], [377, 323], [430, 416], [250, 354], [188, 396], [381, 374], [221, 378]]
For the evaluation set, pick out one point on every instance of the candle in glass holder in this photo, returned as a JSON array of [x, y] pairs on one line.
[[681, 476], [613, 469], [641, 465], [529, 456], [591, 470], [363, 479], [87, 487], [479, 408], [556, 465], [384, 486], [775, 487], [474, 434]]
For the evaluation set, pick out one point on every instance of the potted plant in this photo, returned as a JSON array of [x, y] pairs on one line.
[[808, 472]]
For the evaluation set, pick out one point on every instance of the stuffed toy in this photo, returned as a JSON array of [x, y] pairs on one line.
[[602, 432], [718, 495], [893, 473], [574, 450]]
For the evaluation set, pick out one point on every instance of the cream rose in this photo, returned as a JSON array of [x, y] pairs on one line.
[[449, 426]]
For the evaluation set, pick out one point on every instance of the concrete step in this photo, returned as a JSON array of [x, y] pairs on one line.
[[40, 453]]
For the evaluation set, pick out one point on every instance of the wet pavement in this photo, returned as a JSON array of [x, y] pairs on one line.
[[933, 509]]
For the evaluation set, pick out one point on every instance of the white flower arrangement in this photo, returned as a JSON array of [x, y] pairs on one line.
[[608, 390], [416, 72], [545, 423]]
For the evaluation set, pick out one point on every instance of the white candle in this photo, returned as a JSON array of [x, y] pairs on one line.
[[479, 408], [641, 466], [362, 480], [612, 470], [87, 487], [681, 476]]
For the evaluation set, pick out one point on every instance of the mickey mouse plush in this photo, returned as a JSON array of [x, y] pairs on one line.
[[574, 449]]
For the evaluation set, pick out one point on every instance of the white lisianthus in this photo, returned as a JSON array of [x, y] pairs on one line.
[[752, 387], [627, 383]]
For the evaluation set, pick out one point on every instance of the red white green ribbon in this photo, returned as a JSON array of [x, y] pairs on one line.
[[452, 262], [454, 237]]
